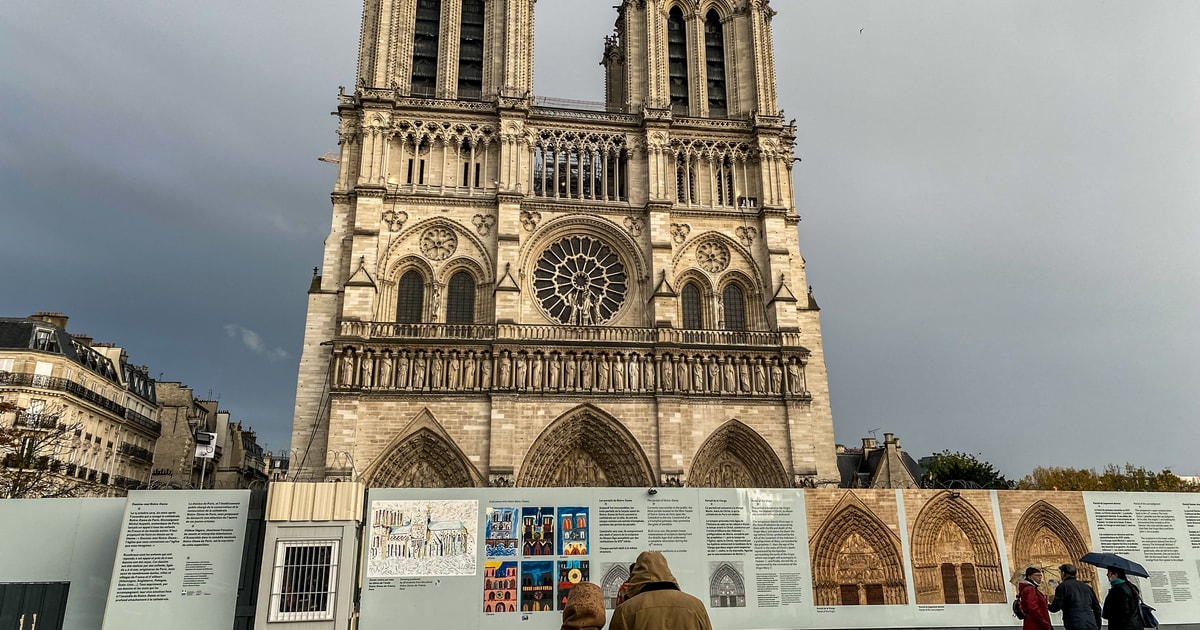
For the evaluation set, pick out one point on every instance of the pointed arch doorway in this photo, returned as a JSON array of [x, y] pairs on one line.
[[422, 456], [585, 447]]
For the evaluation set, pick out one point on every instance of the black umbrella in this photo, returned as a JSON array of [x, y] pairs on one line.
[[1113, 561]]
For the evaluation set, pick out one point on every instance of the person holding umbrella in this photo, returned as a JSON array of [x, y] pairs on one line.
[[1123, 604], [1077, 601]]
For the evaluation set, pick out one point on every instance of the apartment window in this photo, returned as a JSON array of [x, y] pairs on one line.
[[425, 47], [304, 581], [677, 61], [44, 340]]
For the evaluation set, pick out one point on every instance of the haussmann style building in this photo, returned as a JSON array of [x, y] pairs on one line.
[[523, 290]]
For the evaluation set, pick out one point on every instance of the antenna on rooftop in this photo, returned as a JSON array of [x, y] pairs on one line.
[[872, 432], [329, 157]]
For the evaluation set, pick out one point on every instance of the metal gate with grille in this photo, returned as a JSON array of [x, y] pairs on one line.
[[33, 605]]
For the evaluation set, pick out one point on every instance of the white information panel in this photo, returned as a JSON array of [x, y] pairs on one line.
[[178, 560], [506, 558], [1160, 531]]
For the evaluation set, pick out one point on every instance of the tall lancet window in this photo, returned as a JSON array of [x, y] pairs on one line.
[[714, 63], [470, 51], [734, 308], [410, 300], [693, 310], [460, 302], [425, 47], [677, 71]]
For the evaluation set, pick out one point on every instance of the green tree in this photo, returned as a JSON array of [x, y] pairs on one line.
[[1127, 478], [962, 470], [32, 450]]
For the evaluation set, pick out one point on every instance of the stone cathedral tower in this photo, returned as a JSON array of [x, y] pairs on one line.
[[530, 291]]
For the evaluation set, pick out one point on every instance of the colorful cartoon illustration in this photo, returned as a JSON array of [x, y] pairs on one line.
[[499, 586], [501, 531], [537, 586], [537, 531], [570, 573], [573, 531]]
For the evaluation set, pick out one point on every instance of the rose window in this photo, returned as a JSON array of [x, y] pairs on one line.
[[438, 243], [579, 281], [713, 256]]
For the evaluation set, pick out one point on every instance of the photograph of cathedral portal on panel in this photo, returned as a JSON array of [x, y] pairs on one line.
[[953, 543], [726, 584], [854, 546], [1046, 530]]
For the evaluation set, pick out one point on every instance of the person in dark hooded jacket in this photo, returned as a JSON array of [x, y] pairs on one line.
[[1076, 600], [655, 601], [1123, 604]]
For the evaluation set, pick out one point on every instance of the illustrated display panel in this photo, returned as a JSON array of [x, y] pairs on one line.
[[506, 558], [1161, 531]]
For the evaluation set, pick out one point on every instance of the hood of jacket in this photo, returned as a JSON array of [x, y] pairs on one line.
[[650, 568], [585, 608]]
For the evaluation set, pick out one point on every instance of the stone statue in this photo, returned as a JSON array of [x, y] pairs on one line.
[[618, 373], [522, 370], [347, 371], [698, 383], [418, 375], [402, 371], [455, 366], [485, 371], [569, 373], [384, 378], [586, 373], [793, 370], [776, 377], [554, 369], [744, 376], [760, 377], [437, 366], [731, 384], [668, 374], [648, 378], [468, 379], [535, 371], [714, 375], [505, 371], [602, 367], [635, 373], [367, 367]]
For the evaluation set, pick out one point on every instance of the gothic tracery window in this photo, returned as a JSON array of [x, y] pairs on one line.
[[579, 281], [693, 315], [677, 61], [410, 298], [714, 62], [426, 33], [470, 50], [460, 300]]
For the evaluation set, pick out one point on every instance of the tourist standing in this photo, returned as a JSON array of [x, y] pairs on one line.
[[1033, 601], [1123, 604], [655, 601], [1076, 600]]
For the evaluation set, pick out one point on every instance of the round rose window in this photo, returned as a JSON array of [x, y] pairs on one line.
[[579, 281]]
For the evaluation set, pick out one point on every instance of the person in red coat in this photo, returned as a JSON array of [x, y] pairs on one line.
[[1033, 601]]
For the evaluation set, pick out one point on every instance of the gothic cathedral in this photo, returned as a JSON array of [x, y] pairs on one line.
[[520, 290]]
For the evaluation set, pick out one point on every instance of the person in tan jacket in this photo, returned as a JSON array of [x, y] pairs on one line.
[[655, 601], [585, 608]]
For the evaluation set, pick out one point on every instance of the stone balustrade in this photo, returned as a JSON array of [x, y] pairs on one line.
[[391, 331]]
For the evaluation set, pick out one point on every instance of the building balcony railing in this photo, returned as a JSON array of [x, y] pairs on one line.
[[136, 452], [384, 331], [24, 379], [48, 421]]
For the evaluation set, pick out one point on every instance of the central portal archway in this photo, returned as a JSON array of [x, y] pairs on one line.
[[585, 447]]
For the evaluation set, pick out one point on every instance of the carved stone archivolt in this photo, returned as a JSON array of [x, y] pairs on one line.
[[424, 457], [585, 447], [735, 456], [1046, 538], [856, 558], [954, 555], [406, 369]]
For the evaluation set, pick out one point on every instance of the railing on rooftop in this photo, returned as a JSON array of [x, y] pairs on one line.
[[25, 379]]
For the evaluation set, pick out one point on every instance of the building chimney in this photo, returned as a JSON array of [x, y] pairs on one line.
[[868, 444], [84, 340], [890, 438], [839, 448], [58, 320]]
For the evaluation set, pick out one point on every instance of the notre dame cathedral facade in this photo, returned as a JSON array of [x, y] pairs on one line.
[[529, 291]]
